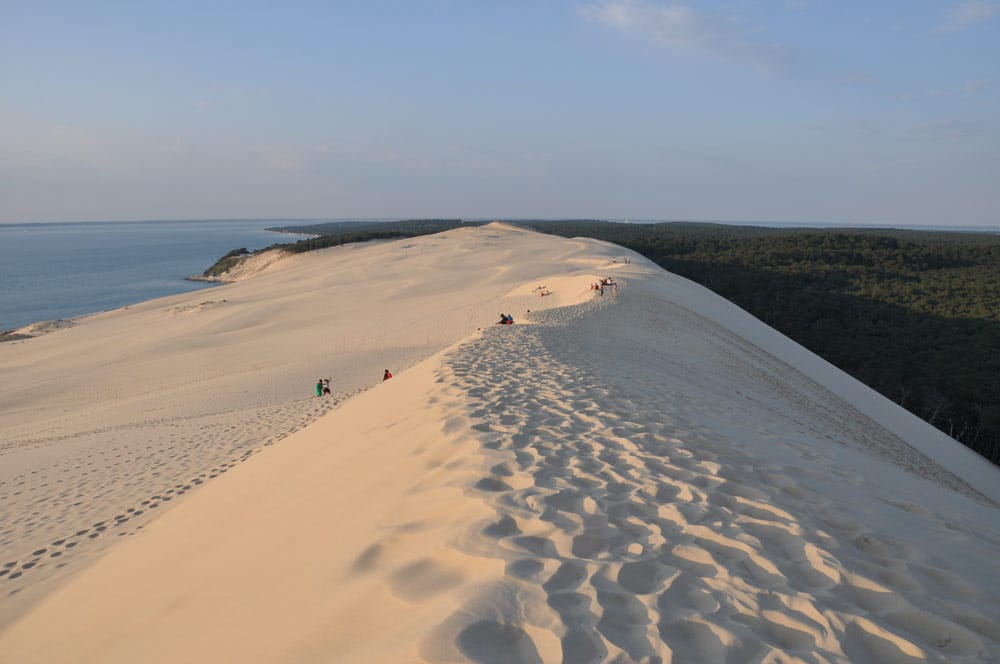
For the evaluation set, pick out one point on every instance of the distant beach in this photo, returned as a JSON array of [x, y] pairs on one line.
[[63, 270]]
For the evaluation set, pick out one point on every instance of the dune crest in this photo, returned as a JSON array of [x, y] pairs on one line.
[[648, 475]]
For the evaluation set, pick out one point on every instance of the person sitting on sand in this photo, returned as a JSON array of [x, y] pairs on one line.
[[326, 385], [387, 375], [505, 320], [319, 387]]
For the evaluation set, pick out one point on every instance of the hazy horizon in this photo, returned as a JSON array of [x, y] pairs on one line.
[[990, 228], [801, 112]]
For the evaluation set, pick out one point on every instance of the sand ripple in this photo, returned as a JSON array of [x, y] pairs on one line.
[[632, 533]]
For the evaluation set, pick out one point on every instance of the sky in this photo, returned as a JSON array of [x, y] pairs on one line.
[[817, 111]]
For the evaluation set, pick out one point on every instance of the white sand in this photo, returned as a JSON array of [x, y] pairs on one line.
[[649, 476]]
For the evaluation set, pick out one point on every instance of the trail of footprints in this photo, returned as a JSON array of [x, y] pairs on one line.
[[107, 489], [625, 538]]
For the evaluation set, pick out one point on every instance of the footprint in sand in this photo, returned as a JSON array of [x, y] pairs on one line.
[[422, 579], [493, 642]]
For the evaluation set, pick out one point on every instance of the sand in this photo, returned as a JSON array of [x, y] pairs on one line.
[[649, 475]]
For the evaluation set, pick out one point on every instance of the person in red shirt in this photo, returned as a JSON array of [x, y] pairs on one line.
[[387, 375]]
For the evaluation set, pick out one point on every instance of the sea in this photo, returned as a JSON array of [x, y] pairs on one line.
[[51, 271]]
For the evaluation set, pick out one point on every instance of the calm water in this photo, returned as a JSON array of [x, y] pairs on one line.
[[50, 271]]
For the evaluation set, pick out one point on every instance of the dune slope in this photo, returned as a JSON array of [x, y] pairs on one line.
[[110, 421], [651, 475]]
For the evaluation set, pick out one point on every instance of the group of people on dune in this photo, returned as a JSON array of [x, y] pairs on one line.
[[323, 384], [606, 282]]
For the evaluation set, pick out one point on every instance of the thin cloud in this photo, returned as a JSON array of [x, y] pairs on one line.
[[854, 129], [284, 159], [61, 144], [970, 13], [802, 5], [679, 27], [855, 79], [949, 130], [224, 96], [968, 89], [974, 87]]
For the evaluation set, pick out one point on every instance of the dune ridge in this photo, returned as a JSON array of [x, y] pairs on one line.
[[110, 419], [646, 476]]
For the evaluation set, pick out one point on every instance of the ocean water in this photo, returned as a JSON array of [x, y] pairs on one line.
[[63, 270]]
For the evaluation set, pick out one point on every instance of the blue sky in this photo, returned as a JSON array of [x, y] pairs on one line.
[[775, 110]]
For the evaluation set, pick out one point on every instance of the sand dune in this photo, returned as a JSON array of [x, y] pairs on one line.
[[651, 475]]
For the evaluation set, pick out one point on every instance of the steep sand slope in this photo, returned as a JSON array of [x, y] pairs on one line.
[[650, 476]]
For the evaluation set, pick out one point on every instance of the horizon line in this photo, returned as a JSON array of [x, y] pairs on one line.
[[624, 220]]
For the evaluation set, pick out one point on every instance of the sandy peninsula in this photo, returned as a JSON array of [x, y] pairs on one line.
[[647, 475]]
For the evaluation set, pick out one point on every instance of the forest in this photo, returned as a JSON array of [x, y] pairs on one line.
[[913, 314]]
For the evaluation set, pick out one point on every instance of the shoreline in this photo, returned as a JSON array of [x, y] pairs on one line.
[[201, 277], [136, 262]]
